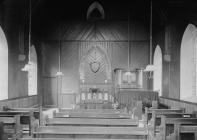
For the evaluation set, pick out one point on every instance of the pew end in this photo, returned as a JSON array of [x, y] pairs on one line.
[[11, 126], [54, 113], [3, 136]]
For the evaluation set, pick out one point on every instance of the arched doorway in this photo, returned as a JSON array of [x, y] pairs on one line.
[[4, 66], [157, 82], [188, 64]]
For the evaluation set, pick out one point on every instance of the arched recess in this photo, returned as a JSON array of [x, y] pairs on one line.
[[157, 74], [4, 66], [32, 72], [96, 6], [105, 58], [188, 64]]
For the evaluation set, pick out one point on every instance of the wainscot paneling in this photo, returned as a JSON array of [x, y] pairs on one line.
[[29, 101]]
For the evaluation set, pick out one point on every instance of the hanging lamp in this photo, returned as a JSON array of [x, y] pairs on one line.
[[27, 66], [59, 73], [150, 67], [128, 71]]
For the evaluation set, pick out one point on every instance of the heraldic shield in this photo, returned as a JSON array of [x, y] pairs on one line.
[[95, 66]]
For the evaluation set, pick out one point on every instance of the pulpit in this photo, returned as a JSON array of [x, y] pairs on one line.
[[129, 89]]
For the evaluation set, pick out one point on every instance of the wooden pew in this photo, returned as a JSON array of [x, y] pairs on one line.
[[11, 126], [73, 139], [91, 122], [92, 115], [171, 126], [156, 120], [149, 112], [34, 110], [186, 129], [26, 118], [91, 110], [89, 132]]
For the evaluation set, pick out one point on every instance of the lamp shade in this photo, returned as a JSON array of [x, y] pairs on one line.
[[27, 67], [59, 73], [128, 73], [150, 68]]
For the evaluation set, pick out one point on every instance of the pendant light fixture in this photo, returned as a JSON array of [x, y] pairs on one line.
[[28, 65], [128, 71], [150, 67], [59, 73]]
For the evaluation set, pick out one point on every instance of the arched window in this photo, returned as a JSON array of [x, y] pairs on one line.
[[95, 11], [157, 83], [4, 66], [32, 72], [188, 68]]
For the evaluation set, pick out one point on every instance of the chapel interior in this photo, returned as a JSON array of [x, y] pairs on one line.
[[98, 69]]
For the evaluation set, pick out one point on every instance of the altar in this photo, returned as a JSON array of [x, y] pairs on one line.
[[95, 85], [95, 98]]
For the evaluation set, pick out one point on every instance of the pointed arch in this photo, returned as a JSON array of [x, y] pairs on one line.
[[188, 64], [157, 61], [4, 66], [98, 6], [32, 72]]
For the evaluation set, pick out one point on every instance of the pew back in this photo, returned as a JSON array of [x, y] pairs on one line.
[[149, 112], [77, 139], [88, 132], [91, 115], [90, 110], [91, 122]]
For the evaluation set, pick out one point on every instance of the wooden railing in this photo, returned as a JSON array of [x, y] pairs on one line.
[[129, 97]]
